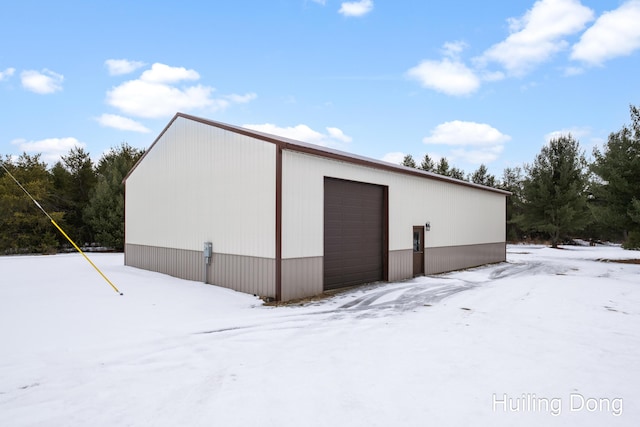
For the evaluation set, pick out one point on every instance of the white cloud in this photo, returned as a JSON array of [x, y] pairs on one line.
[[573, 71], [576, 132], [473, 142], [336, 133], [161, 73], [538, 35], [333, 138], [118, 67], [484, 155], [153, 100], [156, 95], [492, 76], [395, 157], [453, 49], [4, 75], [52, 149], [615, 33], [356, 8], [122, 123], [241, 99], [465, 133], [42, 82], [447, 76]]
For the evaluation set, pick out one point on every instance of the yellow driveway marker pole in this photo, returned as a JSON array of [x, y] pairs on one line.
[[61, 230]]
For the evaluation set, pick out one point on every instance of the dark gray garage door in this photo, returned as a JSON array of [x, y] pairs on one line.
[[354, 233]]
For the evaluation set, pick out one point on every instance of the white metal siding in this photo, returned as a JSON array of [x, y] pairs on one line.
[[201, 183], [458, 215]]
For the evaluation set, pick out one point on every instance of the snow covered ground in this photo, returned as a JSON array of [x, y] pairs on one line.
[[552, 337]]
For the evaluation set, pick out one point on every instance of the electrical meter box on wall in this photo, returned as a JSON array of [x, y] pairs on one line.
[[208, 251]]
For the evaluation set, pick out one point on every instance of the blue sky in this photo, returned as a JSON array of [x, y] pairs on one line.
[[476, 82]]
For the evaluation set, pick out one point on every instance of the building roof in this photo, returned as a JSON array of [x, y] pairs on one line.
[[303, 147]]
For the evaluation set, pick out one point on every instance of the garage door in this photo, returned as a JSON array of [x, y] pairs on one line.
[[354, 233]]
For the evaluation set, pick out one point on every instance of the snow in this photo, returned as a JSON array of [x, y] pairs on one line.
[[551, 337]]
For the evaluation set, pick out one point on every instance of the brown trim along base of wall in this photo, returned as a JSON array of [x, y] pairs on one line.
[[301, 277], [449, 258], [252, 275], [400, 264]]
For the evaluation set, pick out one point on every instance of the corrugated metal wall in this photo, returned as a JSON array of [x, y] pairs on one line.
[[180, 263], [441, 259], [301, 277], [400, 264], [458, 215], [242, 273], [252, 275], [200, 183], [463, 218]]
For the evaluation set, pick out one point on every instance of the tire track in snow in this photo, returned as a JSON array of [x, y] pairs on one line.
[[387, 299]]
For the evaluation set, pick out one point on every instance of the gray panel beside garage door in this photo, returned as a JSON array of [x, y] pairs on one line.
[[353, 233]]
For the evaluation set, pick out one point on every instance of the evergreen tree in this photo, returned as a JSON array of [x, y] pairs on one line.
[[483, 177], [443, 167], [427, 164], [105, 211], [23, 227], [408, 161], [554, 196], [74, 179], [456, 173], [512, 182], [616, 203]]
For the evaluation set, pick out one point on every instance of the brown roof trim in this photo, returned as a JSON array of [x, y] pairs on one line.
[[302, 147]]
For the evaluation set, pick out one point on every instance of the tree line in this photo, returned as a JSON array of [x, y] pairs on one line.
[[556, 197], [560, 195], [85, 199]]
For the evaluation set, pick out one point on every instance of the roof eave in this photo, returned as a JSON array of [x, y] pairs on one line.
[[303, 147]]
